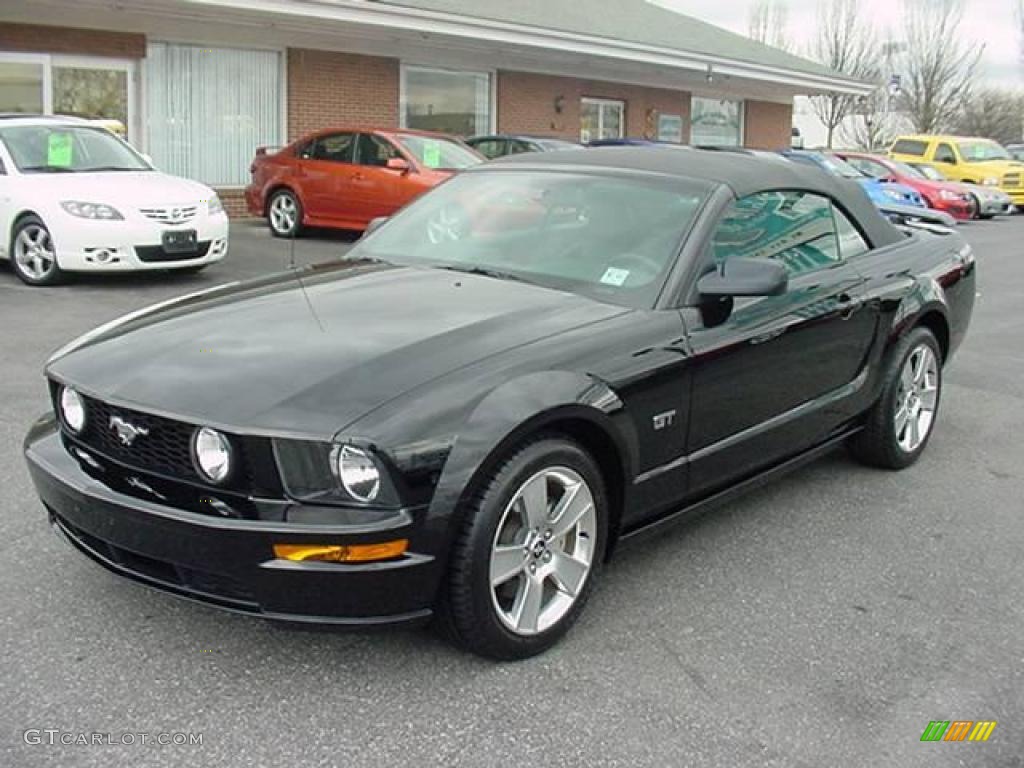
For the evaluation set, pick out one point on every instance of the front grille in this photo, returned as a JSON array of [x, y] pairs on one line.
[[1011, 180], [171, 214], [164, 447], [156, 253]]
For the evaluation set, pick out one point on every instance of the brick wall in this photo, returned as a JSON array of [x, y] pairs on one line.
[[90, 42], [767, 125], [327, 88], [526, 104]]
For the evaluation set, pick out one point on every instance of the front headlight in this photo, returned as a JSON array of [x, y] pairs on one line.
[[892, 194], [326, 473], [990, 181], [99, 211], [945, 194], [72, 409], [211, 453], [214, 206]]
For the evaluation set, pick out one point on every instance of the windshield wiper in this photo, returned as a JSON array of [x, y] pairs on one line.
[[47, 169], [484, 271]]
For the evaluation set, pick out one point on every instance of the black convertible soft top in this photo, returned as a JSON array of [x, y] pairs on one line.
[[743, 174]]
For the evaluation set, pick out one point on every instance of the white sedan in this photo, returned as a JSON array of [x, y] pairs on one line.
[[76, 198]]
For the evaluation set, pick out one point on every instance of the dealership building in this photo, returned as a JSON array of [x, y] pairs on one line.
[[199, 84]]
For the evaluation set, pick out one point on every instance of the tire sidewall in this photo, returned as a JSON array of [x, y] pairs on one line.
[[911, 342], [545, 453], [297, 226], [54, 275]]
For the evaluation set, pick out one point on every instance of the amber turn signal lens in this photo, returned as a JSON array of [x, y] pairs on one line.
[[337, 553]]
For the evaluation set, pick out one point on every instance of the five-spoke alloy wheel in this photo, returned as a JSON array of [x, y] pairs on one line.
[[33, 255], [284, 212], [531, 546]]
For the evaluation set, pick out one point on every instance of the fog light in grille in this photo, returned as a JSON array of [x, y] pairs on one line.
[[72, 409], [211, 453], [337, 553]]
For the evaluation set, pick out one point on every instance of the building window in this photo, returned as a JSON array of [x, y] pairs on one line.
[[90, 87], [601, 119], [208, 109], [716, 122], [446, 101]]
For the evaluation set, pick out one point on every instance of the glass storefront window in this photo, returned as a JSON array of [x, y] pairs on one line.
[[601, 119], [208, 109], [21, 86], [716, 122], [96, 94], [442, 100]]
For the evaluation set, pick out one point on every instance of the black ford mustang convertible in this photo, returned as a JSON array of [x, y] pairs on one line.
[[461, 419]]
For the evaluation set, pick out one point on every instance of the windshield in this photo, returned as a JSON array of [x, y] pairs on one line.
[[908, 170], [980, 151], [929, 173], [437, 153], [610, 238], [838, 167], [60, 148], [554, 144]]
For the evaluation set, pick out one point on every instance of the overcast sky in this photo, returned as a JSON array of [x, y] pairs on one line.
[[991, 22]]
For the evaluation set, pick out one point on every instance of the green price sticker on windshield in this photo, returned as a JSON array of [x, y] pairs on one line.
[[432, 154], [58, 150]]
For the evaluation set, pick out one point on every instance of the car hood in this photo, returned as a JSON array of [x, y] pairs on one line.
[[310, 351], [118, 188]]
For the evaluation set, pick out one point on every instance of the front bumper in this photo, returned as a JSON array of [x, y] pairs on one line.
[[229, 563], [134, 244]]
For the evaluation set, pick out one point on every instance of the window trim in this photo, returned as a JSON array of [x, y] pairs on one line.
[[405, 67], [603, 102]]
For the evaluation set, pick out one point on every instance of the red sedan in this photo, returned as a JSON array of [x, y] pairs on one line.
[[941, 195], [346, 177]]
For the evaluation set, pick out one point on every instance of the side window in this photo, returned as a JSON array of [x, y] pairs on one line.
[[335, 148], [944, 154], [793, 227], [909, 147], [516, 147], [851, 241], [491, 148], [373, 150]]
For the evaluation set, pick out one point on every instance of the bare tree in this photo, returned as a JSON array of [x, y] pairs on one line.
[[938, 65], [994, 114], [871, 125], [846, 43], [768, 23]]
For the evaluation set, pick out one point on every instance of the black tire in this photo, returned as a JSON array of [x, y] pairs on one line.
[[34, 227], [287, 197], [467, 613], [878, 445]]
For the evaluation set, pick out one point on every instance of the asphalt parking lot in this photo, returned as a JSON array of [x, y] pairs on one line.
[[822, 621]]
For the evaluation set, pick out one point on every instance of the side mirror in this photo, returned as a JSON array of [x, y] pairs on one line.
[[399, 164], [374, 225], [745, 277]]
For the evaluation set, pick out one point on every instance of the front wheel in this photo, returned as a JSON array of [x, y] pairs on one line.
[[529, 551], [901, 422], [33, 255]]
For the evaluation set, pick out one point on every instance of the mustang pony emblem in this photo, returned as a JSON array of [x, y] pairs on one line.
[[126, 432]]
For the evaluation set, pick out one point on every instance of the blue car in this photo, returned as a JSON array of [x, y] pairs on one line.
[[880, 192]]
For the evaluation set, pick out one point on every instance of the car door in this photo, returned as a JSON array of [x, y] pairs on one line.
[[327, 165], [944, 158], [773, 375], [376, 189]]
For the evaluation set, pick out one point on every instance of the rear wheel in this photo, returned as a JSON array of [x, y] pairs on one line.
[[284, 212], [529, 551], [901, 422], [33, 256]]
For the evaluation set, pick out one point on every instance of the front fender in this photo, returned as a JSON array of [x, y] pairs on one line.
[[525, 406]]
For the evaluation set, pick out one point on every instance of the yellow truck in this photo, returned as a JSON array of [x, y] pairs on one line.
[[966, 159]]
